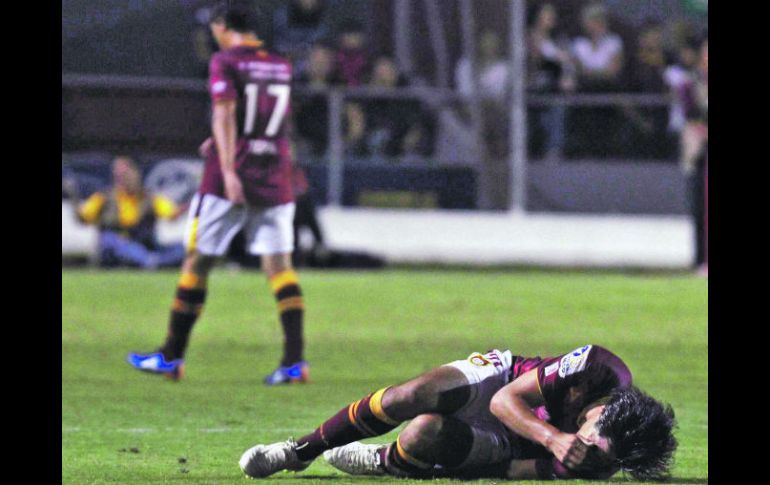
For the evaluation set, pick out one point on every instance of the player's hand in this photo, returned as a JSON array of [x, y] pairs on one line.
[[234, 188], [205, 146], [569, 449]]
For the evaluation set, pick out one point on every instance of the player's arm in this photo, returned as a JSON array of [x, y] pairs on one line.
[[224, 128], [513, 406], [90, 211]]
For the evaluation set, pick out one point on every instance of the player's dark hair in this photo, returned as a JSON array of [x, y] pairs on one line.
[[640, 432], [239, 16]]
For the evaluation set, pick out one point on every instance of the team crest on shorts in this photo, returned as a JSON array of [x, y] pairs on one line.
[[479, 360], [573, 362]]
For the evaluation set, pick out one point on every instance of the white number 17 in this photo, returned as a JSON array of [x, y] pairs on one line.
[[280, 91]]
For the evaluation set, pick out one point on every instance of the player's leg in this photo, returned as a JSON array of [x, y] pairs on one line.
[[270, 234], [443, 390], [188, 303], [448, 435], [428, 440], [211, 224], [285, 286], [464, 385]]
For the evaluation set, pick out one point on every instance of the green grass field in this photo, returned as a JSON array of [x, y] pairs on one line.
[[364, 330]]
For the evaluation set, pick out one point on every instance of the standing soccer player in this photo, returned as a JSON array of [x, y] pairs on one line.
[[246, 185]]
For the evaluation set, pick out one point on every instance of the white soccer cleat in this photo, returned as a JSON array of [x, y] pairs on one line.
[[356, 459], [263, 460]]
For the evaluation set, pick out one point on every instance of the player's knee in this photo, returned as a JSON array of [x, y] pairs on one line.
[[422, 433], [197, 263], [276, 263]]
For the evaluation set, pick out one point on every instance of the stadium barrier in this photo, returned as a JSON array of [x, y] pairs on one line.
[[415, 236]]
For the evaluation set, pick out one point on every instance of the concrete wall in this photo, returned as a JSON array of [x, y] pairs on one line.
[[475, 238]]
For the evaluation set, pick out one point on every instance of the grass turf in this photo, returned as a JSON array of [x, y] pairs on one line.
[[364, 330]]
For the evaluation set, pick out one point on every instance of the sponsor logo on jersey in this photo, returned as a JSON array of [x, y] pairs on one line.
[[551, 369], [479, 360], [263, 147], [574, 362]]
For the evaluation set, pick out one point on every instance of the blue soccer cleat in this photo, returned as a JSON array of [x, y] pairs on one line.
[[157, 364], [298, 372]]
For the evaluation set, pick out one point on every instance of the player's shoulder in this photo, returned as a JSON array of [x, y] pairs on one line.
[[220, 58], [590, 355]]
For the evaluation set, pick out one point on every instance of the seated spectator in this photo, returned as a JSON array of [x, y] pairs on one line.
[[550, 70], [395, 127], [352, 58], [311, 113], [125, 215], [599, 54], [298, 25]]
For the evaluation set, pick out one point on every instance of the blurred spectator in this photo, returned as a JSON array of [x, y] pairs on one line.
[[550, 70], [494, 88], [354, 126], [395, 127], [352, 59], [305, 216], [599, 62], [694, 153], [491, 69], [203, 44], [311, 113], [645, 129], [676, 75], [598, 55], [297, 26], [649, 62], [125, 215]]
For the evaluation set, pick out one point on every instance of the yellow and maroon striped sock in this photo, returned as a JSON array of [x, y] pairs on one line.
[[188, 304], [401, 463], [291, 310], [364, 418]]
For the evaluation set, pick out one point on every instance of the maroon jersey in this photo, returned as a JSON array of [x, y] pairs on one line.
[[569, 383], [260, 83]]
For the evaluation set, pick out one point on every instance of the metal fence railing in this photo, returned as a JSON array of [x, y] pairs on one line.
[[335, 98]]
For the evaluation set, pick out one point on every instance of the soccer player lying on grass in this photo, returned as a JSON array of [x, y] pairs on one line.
[[495, 415]]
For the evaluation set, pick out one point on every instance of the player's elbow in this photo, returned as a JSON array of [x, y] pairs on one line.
[[497, 405]]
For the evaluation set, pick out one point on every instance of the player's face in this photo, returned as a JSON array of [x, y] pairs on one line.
[[589, 434]]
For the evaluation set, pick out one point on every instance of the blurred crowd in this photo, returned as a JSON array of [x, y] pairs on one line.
[[589, 52], [572, 48], [655, 58]]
